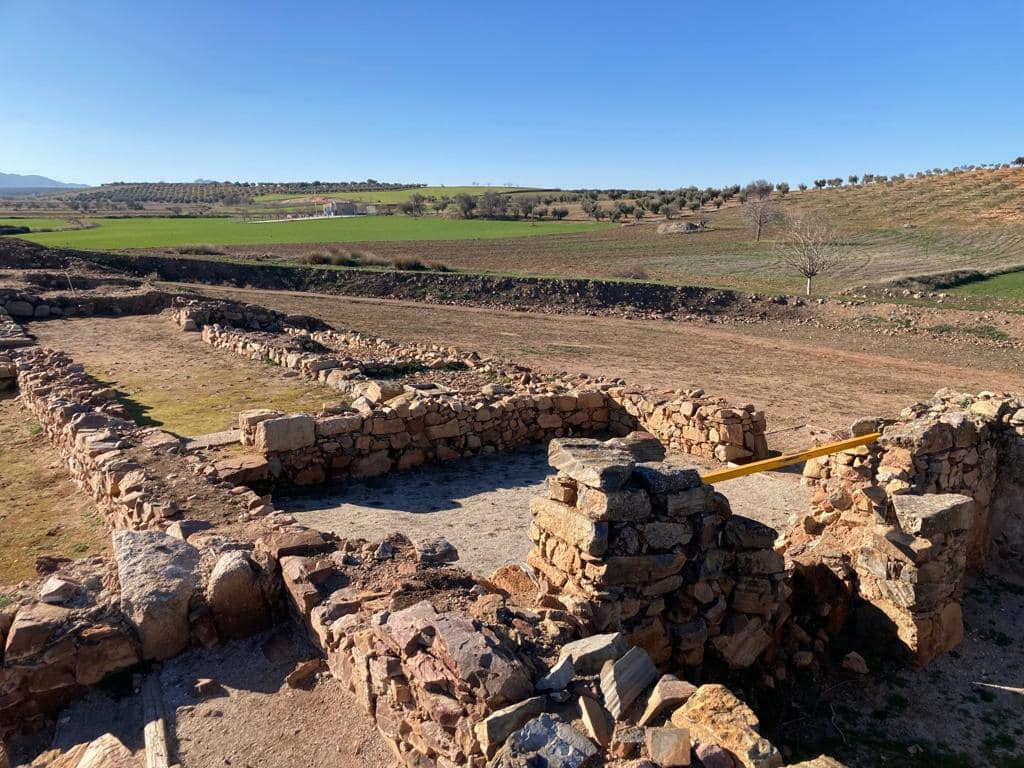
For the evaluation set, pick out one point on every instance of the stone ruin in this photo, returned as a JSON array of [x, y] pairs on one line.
[[645, 605]]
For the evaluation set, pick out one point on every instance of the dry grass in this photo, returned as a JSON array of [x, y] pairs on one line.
[[41, 510], [174, 380]]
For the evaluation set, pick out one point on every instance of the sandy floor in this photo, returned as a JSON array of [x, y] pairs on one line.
[[258, 722], [481, 505]]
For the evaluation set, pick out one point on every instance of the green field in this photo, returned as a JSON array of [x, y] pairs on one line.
[[35, 224], [1008, 286], [115, 234], [394, 195]]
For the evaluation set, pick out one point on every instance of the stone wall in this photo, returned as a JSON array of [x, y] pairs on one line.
[[655, 553], [25, 306], [900, 521], [174, 578], [953, 443], [688, 421], [408, 430], [393, 424]]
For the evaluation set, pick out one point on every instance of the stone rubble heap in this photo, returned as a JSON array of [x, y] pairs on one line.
[[956, 460], [653, 552], [457, 674]]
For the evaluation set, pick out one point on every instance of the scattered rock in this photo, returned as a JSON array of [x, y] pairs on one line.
[[589, 654], [559, 677], [624, 680], [668, 747], [302, 672], [56, 590], [670, 691], [854, 662], [436, 550], [596, 720], [205, 688]]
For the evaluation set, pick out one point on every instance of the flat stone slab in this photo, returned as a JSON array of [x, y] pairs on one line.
[[214, 440]]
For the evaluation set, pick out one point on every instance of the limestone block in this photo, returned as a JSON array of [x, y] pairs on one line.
[[714, 715], [285, 433], [564, 522], [158, 576], [931, 514]]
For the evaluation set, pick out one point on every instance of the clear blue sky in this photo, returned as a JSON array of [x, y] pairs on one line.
[[541, 93]]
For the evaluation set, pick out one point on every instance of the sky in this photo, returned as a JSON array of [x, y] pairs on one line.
[[549, 94]]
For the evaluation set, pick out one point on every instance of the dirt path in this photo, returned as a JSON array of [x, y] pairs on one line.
[[800, 374], [171, 378]]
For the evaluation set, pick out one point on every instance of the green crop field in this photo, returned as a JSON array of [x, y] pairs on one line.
[[115, 234], [1008, 286], [394, 195], [35, 224]]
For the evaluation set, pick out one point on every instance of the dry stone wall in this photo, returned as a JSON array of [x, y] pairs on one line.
[[173, 579], [900, 521], [396, 425], [653, 552], [24, 306]]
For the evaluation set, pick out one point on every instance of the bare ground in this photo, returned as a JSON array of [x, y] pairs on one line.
[[482, 505], [172, 379], [42, 512], [800, 374]]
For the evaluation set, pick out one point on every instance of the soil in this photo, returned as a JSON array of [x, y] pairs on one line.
[[173, 380], [259, 721], [42, 512], [801, 374], [482, 504]]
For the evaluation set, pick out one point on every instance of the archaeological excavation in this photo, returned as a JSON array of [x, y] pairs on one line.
[[630, 614]]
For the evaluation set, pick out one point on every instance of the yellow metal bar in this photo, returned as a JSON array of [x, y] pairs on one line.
[[786, 459]]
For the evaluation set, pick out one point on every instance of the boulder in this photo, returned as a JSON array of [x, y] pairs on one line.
[[158, 577], [235, 596], [713, 715], [589, 654], [547, 741]]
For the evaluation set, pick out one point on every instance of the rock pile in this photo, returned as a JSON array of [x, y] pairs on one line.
[[652, 551], [455, 674]]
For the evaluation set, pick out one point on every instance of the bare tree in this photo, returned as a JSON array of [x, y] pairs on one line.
[[759, 214], [811, 248]]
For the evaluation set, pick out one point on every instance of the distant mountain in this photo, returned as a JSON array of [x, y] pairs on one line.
[[14, 180], [204, 181]]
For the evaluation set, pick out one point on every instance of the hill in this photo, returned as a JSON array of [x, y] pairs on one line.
[[18, 181]]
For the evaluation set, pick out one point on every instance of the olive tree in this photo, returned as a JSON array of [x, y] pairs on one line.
[[811, 247]]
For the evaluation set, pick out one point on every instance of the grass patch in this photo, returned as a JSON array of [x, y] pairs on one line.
[[117, 234], [1008, 286], [41, 510], [980, 331]]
